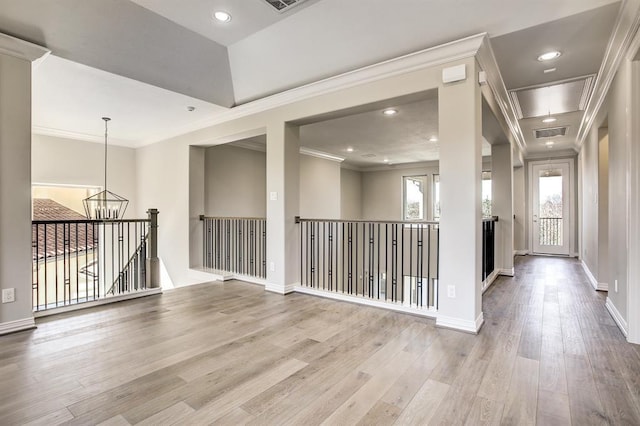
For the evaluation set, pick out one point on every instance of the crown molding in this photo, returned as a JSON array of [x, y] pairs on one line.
[[565, 153], [21, 49], [320, 154], [65, 134], [488, 63], [625, 35], [427, 58]]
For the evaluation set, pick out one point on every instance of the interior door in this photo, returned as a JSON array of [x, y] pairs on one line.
[[551, 209]]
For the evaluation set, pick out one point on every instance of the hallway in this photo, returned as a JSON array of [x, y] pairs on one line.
[[548, 353]]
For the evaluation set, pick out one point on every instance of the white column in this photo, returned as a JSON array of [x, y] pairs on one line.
[[283, 178], [15, 180], [502, 206], [460, 134]]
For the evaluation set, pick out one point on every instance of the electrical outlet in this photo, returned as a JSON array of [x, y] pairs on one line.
[[8, 295], [615, 286], [451, 291], [272, 266]]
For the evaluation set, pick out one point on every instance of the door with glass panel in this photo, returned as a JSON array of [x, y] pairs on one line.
[[550, 216]]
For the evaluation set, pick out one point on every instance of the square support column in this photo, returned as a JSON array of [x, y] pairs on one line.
[[283, 180], [15, 180], [460, 134], [502, 206]]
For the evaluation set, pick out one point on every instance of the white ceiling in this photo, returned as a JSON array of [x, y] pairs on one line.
[[270, 52], [69, 100], [248, 16]]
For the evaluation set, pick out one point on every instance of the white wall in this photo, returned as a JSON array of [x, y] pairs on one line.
[[320, 186], [519, 224], [350, 194], [235, 182], [603, 207], [71, 162]]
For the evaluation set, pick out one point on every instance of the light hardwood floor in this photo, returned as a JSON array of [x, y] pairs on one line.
[[230, 353]]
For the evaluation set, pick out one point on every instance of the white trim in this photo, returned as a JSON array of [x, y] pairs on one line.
[[625, 29], [320, 154], [520, 252], [21, 49], [507, 272], [17, 325], [615, 314], [57, 133], [460, 325], [590, 277], [489, 280], [449, 52], [367, 302], [280, 289], [572, 201], [555, 155], [488, 63], [99, 302]]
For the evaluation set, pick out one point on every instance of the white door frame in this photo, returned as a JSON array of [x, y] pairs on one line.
[[571, 200]]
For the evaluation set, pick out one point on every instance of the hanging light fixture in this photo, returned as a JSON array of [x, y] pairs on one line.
[[105, 205]]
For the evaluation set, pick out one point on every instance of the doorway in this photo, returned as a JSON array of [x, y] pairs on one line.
[[551, 212]]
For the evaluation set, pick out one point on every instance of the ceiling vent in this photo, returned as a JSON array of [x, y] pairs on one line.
[[283, 5], [551, 132]]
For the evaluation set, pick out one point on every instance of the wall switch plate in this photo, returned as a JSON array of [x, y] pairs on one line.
[[615, 285], [8, 295], [273, 196], [451, 291], [272, 266]]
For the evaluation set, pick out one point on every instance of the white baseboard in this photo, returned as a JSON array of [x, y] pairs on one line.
[[17, 325], [507, 272], [592, 280], [461, 325], [396, 307], [520, 252], [99, 302], [615, 314], [490, 279], [280, 289]]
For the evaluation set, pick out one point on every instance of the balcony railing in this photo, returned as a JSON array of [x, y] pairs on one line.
[[488, 246], [236, 245], [393, 262], [77, 261], [550, 229]]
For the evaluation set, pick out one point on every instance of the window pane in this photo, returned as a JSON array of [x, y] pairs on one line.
[[550, 207], [414, 197]]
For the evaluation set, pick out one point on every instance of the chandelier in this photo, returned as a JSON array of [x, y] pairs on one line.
[[105, 205]]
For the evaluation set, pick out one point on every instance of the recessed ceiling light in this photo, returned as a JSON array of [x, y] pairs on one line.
[[547, 56], [191, 108], [349, 149], [433, 139], [547, 71], [222, 16], [549, 120], [390, 111], [386, 160], [549, 143]]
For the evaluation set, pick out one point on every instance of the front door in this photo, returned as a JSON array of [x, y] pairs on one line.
[[550, 217]]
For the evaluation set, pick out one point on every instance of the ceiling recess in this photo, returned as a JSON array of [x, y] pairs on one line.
[[559, 98], [283, 5], [550, 132]]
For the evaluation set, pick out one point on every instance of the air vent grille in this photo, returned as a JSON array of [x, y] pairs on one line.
[[551, 132], [283, 5]]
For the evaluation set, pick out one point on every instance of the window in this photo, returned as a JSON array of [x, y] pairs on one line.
[[414, 200], [436, 197], [486, 194]]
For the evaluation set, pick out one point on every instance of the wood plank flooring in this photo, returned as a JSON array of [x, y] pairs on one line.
[[232, 354]]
